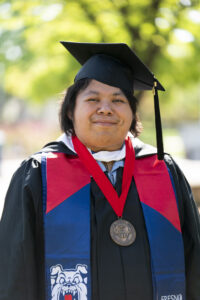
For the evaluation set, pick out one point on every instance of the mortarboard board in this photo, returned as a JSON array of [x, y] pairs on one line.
[[99, 60], [117, 65]]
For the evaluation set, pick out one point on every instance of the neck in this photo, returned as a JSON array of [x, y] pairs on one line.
[[108, 165], [103, 146]]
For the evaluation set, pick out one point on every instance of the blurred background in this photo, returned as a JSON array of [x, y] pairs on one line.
[[35, 70]]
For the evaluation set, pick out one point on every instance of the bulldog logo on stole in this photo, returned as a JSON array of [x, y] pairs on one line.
[[68, 284]]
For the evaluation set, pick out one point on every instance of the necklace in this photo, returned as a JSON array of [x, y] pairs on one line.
[[122, 231]]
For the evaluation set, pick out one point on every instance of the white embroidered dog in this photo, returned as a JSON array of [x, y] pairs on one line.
[[69, 282]]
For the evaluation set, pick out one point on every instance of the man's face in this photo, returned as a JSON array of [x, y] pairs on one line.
[[102, 117]]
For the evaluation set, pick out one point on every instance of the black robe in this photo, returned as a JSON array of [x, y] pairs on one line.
[[118, 273]]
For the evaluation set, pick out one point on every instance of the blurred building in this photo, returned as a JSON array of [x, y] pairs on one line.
[[190, 134]]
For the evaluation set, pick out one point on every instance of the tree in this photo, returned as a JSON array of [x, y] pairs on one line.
[[164, 33]]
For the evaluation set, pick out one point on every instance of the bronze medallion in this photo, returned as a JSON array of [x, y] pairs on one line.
[[122, 232]]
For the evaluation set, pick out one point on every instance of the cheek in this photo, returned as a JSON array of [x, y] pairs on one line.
[[129, 117], [78, 115], [81, 119]]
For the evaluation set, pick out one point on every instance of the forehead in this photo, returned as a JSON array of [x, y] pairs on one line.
[[97, 87]]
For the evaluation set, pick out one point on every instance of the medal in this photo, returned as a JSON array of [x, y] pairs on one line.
[[122, 232]]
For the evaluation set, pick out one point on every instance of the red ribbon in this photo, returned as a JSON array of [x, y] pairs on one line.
[[117, 203]]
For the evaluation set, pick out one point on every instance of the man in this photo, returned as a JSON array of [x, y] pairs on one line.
[[69, 231]]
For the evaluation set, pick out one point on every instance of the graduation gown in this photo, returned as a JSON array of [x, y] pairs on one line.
[[117, 272]]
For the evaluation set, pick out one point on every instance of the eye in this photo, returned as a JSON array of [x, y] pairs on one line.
[[118, 101], [76, 280], [92, 100], [62, 280]]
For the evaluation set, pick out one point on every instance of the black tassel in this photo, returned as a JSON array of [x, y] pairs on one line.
[[159, 137]]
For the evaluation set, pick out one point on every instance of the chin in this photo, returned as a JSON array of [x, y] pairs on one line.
[[106, 144]]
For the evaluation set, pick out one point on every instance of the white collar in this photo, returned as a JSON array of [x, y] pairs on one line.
[[105, 156]]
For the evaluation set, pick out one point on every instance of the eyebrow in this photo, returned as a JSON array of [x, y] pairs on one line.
[[97, 93], [118, 94], [92, 92]]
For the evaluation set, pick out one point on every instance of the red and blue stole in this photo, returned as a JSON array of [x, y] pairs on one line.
[[66, 203]]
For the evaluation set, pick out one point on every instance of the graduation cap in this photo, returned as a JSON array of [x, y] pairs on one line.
[[117, 65]]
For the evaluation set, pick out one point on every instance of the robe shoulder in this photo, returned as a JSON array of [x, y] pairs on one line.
[[190, 226]]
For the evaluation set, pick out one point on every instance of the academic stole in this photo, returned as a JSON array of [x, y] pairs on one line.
[[66, 204]]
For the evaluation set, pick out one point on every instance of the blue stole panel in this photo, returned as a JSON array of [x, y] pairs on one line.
[[67, 239], [167, 259], [66, 195]]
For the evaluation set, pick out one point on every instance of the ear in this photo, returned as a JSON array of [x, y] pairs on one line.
[[56, 270], [70, 116], [82, 269]]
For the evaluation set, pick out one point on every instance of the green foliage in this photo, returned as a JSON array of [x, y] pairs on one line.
[[164, 33]]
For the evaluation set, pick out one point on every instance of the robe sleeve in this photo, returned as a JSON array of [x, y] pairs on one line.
[[190, 223], [21, 245]]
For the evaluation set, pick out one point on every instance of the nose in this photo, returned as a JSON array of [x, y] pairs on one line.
[[105, 107]]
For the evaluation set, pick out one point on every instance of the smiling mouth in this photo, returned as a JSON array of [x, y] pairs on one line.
[[104, 123]]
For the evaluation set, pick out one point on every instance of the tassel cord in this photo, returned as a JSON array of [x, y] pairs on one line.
[[158, 124]]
